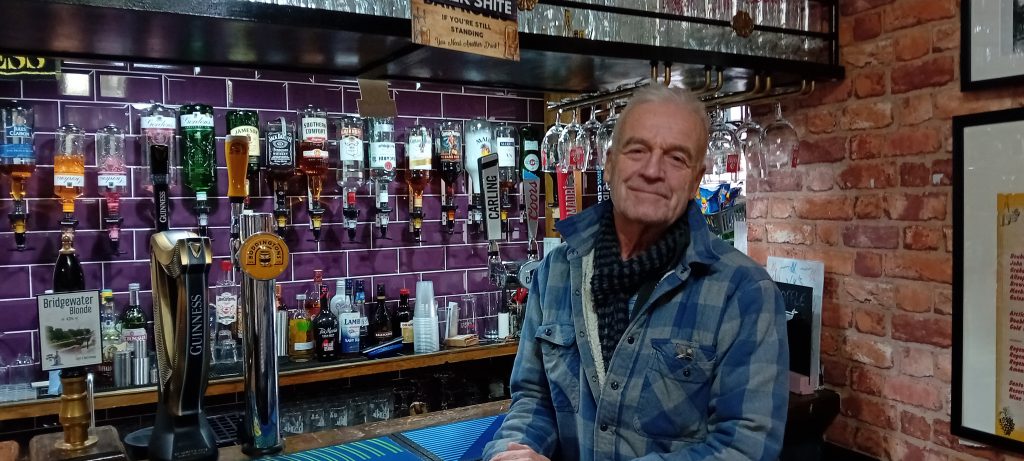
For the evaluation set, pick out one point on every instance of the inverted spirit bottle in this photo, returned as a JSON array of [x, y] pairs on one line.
[[18, 160], [69, 167], [382, 165], [111, 179], [418, 150], [159, 126], [506, 140], [247, 123], [280, 166], [449, 166], [312, 161], [198, 156], [479, 143], [350, 172]]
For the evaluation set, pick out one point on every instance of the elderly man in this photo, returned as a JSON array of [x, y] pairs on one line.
[[645, 336]]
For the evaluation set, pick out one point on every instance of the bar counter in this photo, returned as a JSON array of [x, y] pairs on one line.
[[304, 442]]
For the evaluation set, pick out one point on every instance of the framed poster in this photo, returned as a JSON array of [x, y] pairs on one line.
[[991, 43], [988, 282], [69, 329], [803, 286]]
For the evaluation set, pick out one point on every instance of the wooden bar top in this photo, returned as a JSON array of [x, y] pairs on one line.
[[338, 436]]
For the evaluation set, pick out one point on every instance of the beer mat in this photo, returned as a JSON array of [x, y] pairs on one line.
[[381, 448], [461, 441]]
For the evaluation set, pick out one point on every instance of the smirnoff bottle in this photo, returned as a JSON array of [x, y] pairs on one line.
[[350, 172], [198, 156], [479, 143], [507, 144], [112, 178], [382, 165], [159, 125], [418, 150], [449, 166]]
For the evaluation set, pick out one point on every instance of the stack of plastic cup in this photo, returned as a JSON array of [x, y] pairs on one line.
[[424, 320]]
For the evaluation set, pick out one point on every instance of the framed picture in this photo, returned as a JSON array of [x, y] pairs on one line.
[[988, 280], [991, 43]]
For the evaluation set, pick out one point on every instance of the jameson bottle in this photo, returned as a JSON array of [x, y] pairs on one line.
[[325, 326], [300, 334], [246, 123], [381, 324], [133, 320], [159, 125]]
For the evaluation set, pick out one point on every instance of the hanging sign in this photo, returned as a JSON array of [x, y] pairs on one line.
[[484, 27], [28, 67], [69, 329]]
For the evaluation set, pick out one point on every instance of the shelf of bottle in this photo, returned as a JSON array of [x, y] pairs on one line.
[[309, 372]]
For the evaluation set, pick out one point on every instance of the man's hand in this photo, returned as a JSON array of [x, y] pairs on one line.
[[518, 451]]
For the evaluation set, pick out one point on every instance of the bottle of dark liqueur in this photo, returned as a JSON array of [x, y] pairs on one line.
[[381, 325], [401, 324], [325, 327], [67, 273]]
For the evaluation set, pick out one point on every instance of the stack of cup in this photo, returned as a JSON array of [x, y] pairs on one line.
[[424, 320]]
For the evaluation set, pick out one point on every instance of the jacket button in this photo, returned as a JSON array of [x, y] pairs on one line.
[[615, 385], [686, 372], [604, 428], [577, 292], [547, 332], [630, 340]]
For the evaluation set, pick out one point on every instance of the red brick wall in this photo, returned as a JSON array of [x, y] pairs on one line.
[[871, 198]]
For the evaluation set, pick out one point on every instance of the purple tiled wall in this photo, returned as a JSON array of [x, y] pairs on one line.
[[456, 264]]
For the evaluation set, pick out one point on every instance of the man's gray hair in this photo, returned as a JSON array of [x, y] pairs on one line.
[[657, 93]]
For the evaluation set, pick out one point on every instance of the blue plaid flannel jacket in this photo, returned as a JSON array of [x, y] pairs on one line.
[[701, 373]]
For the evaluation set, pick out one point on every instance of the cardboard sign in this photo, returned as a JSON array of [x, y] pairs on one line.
[[69, 329], [488, 28], [803, 285], [28, 67]]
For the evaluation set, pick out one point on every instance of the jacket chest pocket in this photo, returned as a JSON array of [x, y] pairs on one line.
[[561, 364], [676, 390]]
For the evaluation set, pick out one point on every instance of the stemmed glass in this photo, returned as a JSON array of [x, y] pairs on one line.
[[748, 135], [571, 159], [723, 149], [780, 142], [590, 142]]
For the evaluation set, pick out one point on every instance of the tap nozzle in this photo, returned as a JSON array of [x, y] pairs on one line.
[[316, 219], [351, 213], [113, 224], [202, 210], [282, 221], [18, 218], [495, 268]]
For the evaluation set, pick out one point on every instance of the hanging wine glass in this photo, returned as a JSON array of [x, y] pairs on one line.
[[604, 135], [570, 146], [549, 145], [590, 143], [723, 150], [779, 142], [748, 135]]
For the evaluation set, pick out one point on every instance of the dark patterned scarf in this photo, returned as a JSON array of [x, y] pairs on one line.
[[615, 281]]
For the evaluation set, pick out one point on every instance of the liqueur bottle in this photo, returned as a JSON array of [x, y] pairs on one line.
[[280, 166], [449, 167], [506, 141], [312, 152], [350, 173], [18, 160], [69, 167], [381, 324], [325, 327], [247, 123], [382, 165], [198, 156], [111, 179], [479, 143], [418, 150], [300, 332], [402, 322]]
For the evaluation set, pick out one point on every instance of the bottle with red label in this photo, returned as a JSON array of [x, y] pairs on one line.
[[312, 161], [382, 165], [349, 132]]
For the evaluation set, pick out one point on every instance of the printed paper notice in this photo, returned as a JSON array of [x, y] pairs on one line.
[[1010, 317], [69, 329], [466, 29]]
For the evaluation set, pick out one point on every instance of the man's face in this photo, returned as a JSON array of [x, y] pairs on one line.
[[656, 165]]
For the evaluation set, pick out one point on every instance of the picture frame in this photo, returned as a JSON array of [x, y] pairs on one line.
[[991, 43], [988, 279]]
